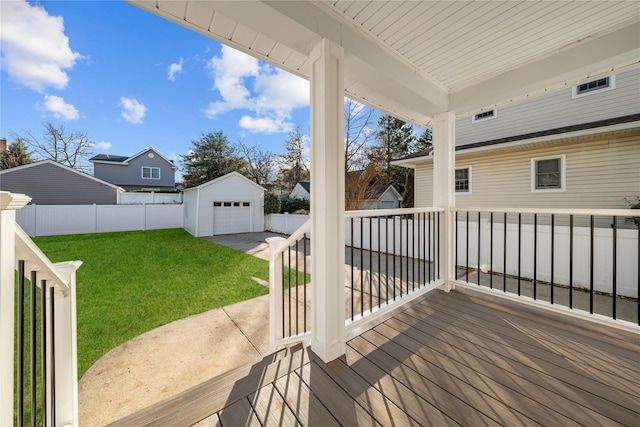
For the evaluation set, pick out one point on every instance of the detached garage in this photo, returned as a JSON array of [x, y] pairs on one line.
[[225, 205]]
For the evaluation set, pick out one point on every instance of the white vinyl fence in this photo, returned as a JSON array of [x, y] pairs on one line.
[[284, 223], [149, 198], [51, 220], [626, 254]]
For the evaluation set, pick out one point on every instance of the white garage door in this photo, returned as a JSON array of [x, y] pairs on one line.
[[231, 217]]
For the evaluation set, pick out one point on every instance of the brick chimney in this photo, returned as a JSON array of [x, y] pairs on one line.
[[4, 145]]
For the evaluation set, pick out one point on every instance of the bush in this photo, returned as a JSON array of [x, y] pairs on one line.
[[292, 204], [271, 203]]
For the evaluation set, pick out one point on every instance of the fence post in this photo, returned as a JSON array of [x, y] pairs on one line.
[[275, 290], [9, 203], [65, 342]]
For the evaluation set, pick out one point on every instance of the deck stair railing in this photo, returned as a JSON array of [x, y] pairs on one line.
[[391, 256], [582, 260], [38, 382]]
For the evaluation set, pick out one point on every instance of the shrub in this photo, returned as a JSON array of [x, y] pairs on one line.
[[271, 203], [292, 204], [634, 204]]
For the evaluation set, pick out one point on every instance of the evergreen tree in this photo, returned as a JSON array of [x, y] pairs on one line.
[[211, 157], [407, 197], [394, 140], [16, 155], [424, 141]]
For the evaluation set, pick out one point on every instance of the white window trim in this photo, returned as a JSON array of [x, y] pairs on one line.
[[463, 193], [563, 174], [495, 115], [612, 85], [151, 173]]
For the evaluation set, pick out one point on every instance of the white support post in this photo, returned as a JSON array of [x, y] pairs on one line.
[[444, 163], [66, 345], [327, 200], [275, 291], [9, 203]]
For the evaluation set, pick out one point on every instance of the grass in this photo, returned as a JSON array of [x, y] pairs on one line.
[[132, 282]]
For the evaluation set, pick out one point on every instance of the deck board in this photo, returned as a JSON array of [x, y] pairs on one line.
[[458, 358]]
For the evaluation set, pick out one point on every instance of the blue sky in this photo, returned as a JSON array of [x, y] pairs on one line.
[[132, 80]]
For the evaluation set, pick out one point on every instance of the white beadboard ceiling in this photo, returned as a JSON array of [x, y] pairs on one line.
[[415, 59]]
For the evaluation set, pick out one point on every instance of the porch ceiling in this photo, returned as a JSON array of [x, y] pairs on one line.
[[415, 59]]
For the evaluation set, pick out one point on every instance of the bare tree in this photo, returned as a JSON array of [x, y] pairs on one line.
[[260, 163], [70, 148], [360, 161]]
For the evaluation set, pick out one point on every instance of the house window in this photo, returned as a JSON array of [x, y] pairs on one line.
[[548, 174], [594, 86], [485, 115], [463, 180], [150, 173]]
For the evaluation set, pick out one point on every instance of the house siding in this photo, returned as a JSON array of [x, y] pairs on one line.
[[555, 110], [49, 184], [600, 173], [130, 176]]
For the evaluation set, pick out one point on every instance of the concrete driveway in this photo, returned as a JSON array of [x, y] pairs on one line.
[[250, 243]]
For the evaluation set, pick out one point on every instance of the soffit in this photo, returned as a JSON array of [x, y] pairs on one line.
[[415, 59]]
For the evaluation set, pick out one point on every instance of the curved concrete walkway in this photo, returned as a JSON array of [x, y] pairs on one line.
[[179, 355]]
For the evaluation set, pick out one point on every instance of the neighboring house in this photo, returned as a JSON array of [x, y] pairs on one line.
[[229, 204], [147, 170], [578, 148], [51, 183], [302, 190], [376, 196]]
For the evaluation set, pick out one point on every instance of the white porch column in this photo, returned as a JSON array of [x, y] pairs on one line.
[[327, 201], [9, 203], [444, 163]]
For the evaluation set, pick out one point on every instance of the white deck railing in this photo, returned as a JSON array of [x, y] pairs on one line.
[[50, 396]]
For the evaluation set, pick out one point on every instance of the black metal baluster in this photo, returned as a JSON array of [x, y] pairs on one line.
[[386, 259], [456, 242], [519, 250], [466, 247], [535, 256], [289, 287], [424, 248], [43, 347], [570, 261], [401, 256], [504, 255], [297, 289], [304, 268], [479, 217], [370, 264], [406, 244], [429, 248], [379, 256], [394, 257], [353, 243], [615, 265], [438, 254], [553, 238], [491, 251], [638, 299], [20, 345], [591, 268], [361, 265], [33, 349]]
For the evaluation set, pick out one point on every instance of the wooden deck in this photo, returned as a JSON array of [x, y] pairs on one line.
[[461, 358]]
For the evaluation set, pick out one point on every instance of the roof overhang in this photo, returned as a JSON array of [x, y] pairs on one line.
[[416, 59]]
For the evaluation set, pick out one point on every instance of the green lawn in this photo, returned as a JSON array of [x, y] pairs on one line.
[[132, 282]]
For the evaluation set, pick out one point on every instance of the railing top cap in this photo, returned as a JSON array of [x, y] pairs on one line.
[[13, 201]]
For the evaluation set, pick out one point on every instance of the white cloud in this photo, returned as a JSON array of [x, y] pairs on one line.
[[175, 68], [59, 108], [244, 83], [133, 111], [102, 145], [35, 50]]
